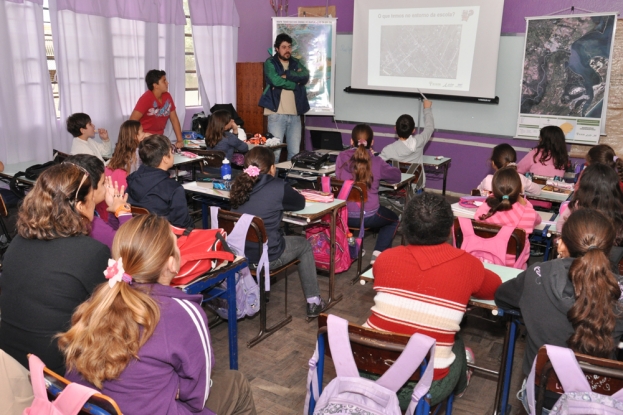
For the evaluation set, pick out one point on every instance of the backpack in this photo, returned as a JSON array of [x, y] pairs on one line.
[[578, 397], [348, 393], [247, 290], [69, 402], [31, 173], [319, 235], [487, 250], [201, 250]]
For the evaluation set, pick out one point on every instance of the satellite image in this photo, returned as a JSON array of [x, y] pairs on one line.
[[566, 65], [420, 51]]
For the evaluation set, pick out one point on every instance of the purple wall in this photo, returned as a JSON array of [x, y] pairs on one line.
[[469, 162]]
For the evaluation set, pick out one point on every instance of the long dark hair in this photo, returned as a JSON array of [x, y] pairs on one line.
[[260, 157], [216, 127], [588, 236], [361, 163], [502, 155], [506, 188], [599, 189], [552, 146]]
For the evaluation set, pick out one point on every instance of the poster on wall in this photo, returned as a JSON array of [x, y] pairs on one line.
[[566, 74], [313, 43]]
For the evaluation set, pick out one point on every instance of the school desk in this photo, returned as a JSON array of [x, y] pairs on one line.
[[180, 160], [313, 212], [508, 350], [11, 170], [434, 163]]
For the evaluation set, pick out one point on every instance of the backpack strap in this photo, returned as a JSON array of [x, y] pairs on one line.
[[339, 343], [343, 195], [313, 388], [214, 217], [407, 363], [69, 402], [466, 227]]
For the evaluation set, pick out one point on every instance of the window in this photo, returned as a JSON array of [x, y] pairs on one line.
[[193, 97], [49, 51]]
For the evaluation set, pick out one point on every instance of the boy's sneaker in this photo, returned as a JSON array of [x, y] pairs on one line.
[[375, 254], [314, 310]]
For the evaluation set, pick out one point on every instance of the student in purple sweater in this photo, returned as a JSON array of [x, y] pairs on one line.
[[361, 165], [104, 190], [144, 343]]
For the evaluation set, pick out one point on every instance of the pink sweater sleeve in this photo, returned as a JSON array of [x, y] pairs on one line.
[[524, 165]]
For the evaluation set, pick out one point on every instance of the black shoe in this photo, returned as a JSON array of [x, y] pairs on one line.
[[313, 310]]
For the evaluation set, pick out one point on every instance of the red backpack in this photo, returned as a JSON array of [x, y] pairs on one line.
[[201, 250]]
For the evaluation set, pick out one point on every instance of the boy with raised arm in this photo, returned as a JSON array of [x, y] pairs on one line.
[[410, 148]]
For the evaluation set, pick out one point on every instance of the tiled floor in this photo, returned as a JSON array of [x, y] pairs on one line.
[[277, 367]]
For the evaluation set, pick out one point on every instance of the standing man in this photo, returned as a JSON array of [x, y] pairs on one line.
[[285, 98], [156, 106]]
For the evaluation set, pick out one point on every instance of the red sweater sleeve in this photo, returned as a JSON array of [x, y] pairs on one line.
[[490, 283]]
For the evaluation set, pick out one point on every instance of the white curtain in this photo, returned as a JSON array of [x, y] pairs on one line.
[[103, 50], [215, 34], [27, 116]]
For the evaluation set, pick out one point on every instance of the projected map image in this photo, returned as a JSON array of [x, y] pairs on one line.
[[420, 51], [566, 66]]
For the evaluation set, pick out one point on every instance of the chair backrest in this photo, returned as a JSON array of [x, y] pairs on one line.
[[3, 209], [212, 158], [59, 155], [487, 230], [97, 404], [256, 233], [359, 195], [374, 351], [608, 379], [137, 210]]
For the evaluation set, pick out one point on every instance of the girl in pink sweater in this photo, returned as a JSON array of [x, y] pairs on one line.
[[549, 158], [506, 207]]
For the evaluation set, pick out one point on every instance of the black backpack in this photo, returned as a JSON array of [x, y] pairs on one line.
[[31, 173]]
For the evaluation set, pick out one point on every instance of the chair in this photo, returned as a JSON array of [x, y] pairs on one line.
[[257, 234], [4, 213], [213, 159], [359, 196], [604, 376], [59, 155], [137, 210], [416, 169], [97, 404], [374, 351], [516, 242]]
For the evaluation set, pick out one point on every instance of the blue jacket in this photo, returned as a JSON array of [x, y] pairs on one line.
[[297, 76]]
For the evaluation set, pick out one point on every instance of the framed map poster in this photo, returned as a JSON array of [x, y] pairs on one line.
[[313, 43], [566, 76]]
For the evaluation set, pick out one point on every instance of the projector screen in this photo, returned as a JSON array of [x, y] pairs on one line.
[[445, 47]]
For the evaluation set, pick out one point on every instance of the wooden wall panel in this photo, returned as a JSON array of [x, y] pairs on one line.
[[249, 87]]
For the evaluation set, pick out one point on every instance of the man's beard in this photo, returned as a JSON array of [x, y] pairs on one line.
[[282, 57]]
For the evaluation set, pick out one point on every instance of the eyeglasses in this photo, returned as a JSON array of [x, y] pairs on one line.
[[84, 177]]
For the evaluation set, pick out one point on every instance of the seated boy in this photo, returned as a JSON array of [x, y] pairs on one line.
[[152, 188], [80, 126], [409, 148], [424, 287]]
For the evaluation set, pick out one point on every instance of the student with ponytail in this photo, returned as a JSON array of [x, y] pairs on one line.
[[145, 343], [259, 193], [504, 155], [573, 301], [362, 166], [506, 207]]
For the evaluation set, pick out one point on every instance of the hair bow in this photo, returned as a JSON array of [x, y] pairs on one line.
[[115, 273]]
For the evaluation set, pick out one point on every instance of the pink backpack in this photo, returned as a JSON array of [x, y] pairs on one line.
[[349, 394], [488, 250], [69, 402], [578, 397], [319, 235]]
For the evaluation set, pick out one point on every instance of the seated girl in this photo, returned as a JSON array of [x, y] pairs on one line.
[[51, 266], [218, 137], [506, 207], [259, 193], [599, 189], [604, 154], [104, 192], [505, 156], [549, 158], [424, 287], [361, 165], [146, 344], [125, 159], [573, 301]]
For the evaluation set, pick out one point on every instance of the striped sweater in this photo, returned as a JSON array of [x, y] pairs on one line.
[[425, 289], [520, 216]]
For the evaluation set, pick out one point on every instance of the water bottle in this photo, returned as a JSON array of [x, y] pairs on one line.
[[226, 170], [352, 246]]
